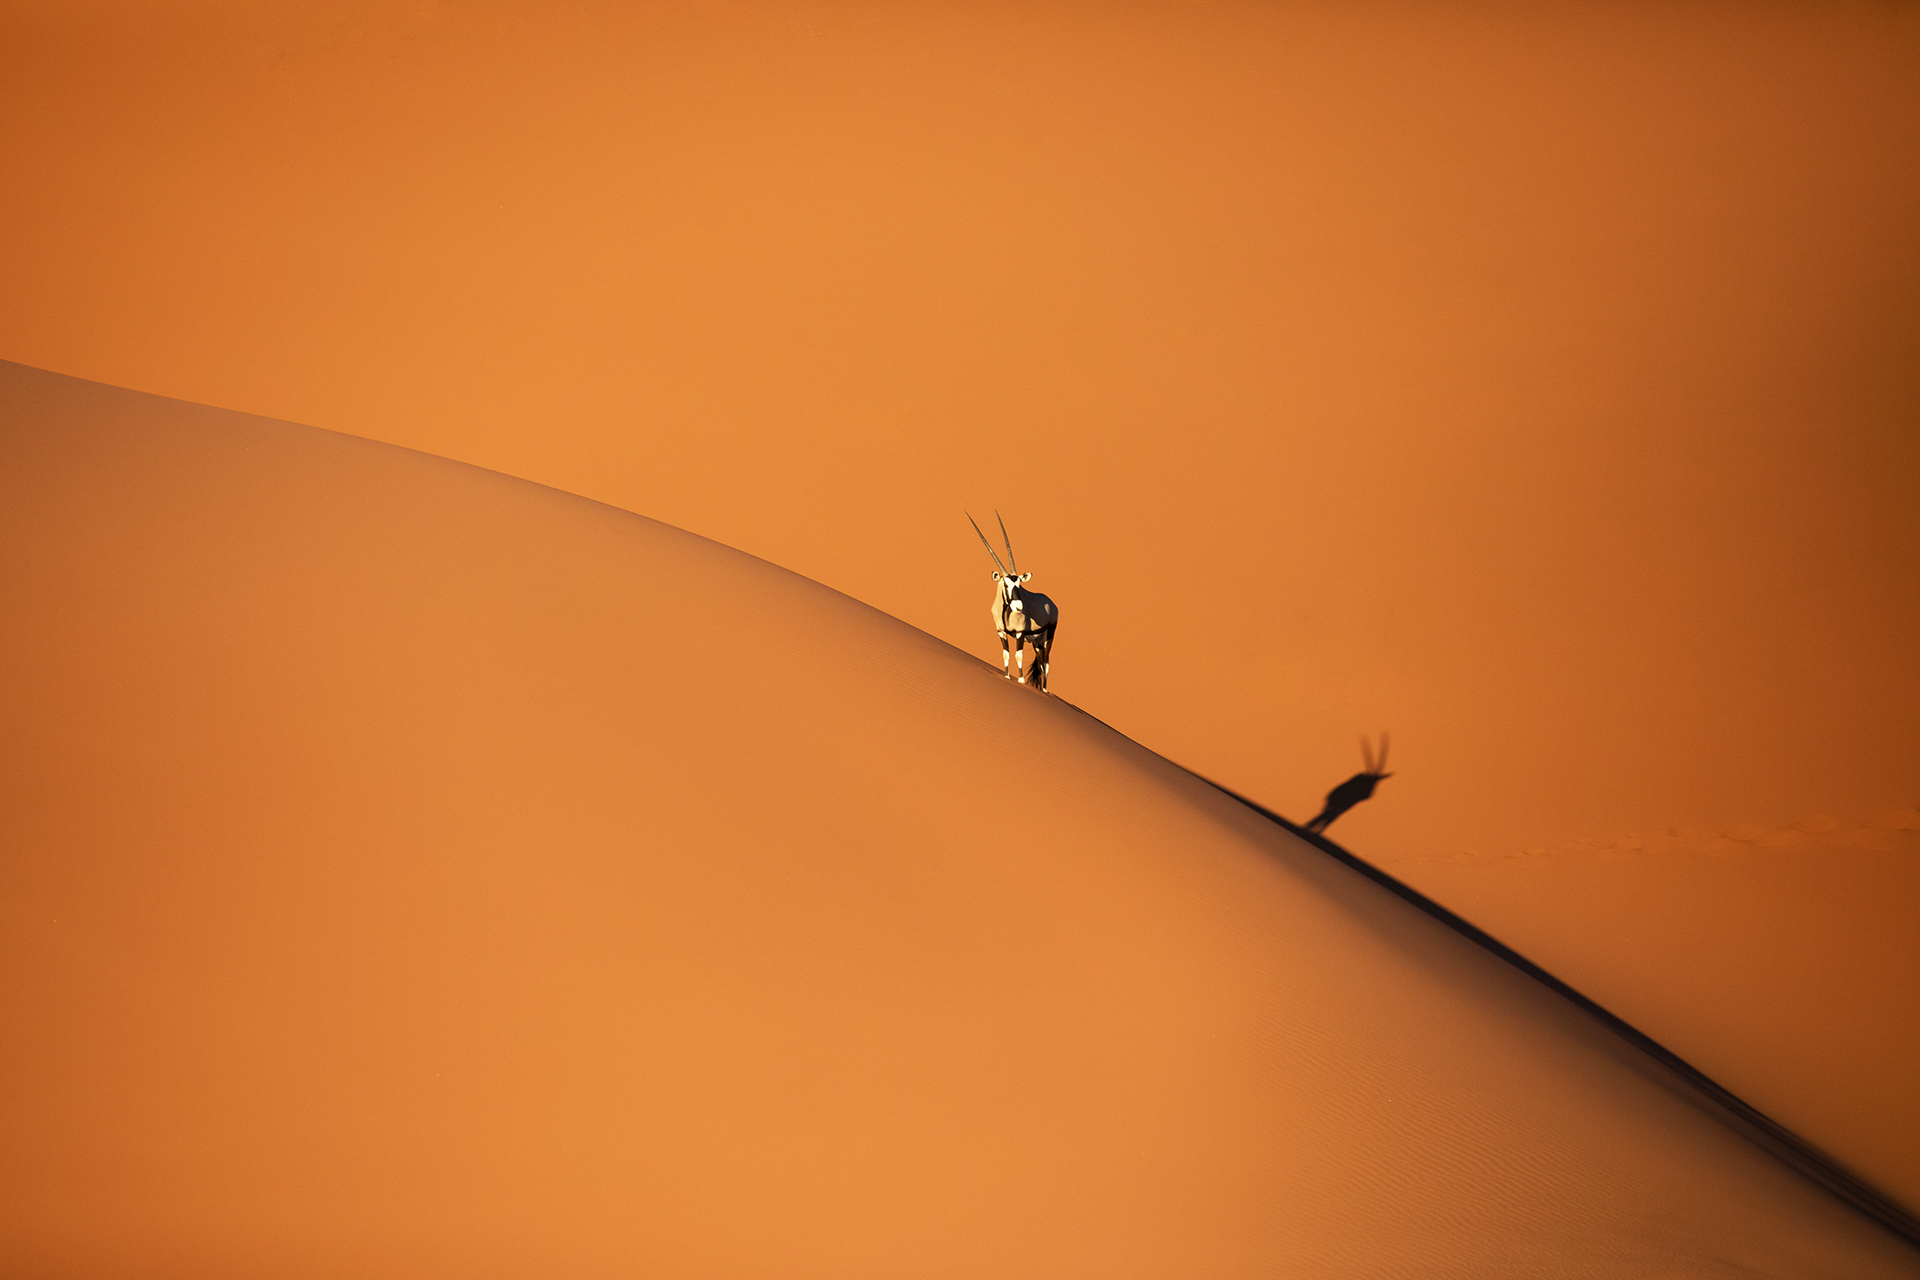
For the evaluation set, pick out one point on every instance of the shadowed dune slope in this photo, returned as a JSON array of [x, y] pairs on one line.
[[412, 871]]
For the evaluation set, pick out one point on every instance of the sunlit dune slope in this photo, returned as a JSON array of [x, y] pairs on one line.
[[1788, 970], [413, 871]]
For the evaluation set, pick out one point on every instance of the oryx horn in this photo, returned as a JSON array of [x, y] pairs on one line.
[[1003, 533], [989, 545]]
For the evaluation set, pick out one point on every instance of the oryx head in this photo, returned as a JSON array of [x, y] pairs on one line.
[[1007, 580]]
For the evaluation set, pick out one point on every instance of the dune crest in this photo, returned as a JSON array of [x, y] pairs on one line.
[[415, 871]]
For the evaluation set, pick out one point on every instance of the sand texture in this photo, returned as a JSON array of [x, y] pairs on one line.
[[412, 871], [1534, 381], [1791, 974]]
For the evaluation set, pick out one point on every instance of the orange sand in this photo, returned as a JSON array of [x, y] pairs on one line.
[[414, 871], [1787, 969], [1534, 381]]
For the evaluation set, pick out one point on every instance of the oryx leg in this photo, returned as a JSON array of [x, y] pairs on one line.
[[1020, 652], [1006, 656], [1042, 659]]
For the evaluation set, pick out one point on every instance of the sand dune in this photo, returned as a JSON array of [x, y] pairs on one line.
[[1786, 966], [414, 871], [1536, 381]]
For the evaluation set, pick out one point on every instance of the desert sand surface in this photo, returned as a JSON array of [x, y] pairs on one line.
[[412, 870], [1535, 382], [1783, 963]]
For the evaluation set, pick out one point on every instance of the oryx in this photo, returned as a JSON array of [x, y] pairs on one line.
[[1021, 617], [1354, 789]]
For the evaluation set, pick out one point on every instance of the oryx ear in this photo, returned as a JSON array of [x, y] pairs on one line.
[[1025, 576]]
